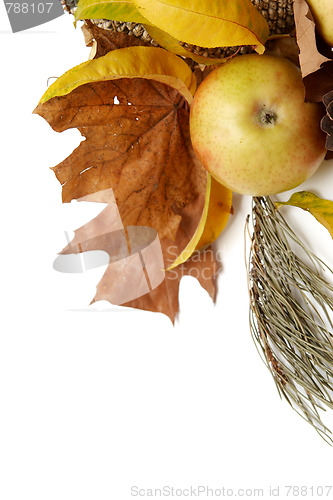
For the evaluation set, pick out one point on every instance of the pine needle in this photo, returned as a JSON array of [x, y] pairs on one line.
[[291, 305]]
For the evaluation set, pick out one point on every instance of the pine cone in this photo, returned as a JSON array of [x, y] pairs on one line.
[[327, 121], [278, 14]]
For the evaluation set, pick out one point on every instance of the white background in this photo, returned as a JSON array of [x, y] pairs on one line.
[[96, 400]]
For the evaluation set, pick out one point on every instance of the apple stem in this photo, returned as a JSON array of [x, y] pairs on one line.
[[267, 117]]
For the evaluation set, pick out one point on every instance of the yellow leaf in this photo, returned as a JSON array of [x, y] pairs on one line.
[[218, 213], [321, 209], [131, 62], [192, 245], [208, 23], [116, 10], [213, 220], [172, 45]]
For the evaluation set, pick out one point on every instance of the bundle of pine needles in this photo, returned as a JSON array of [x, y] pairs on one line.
[[291, 305]]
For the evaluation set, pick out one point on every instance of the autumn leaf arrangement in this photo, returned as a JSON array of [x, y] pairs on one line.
[[131, 101]]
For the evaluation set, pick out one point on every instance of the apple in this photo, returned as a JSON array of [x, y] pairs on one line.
[[322, 11], [251, 128]]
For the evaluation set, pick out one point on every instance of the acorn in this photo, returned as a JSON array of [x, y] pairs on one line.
[[279, 15]]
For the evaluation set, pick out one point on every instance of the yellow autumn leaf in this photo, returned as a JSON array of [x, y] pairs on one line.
[[192, 244], [116, 10], [213, 220], [219, 210], [207, 23], [172, 45], [131, 62], [321, 209]]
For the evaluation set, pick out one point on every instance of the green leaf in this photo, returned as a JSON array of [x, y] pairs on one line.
[[208, 23], [115, 10], [131, 62], [321, 209]]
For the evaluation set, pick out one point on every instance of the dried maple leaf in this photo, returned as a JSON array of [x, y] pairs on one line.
[[201, 265], [138, 144], [310, 58], [140, 147], [164, 298], [317, 69]]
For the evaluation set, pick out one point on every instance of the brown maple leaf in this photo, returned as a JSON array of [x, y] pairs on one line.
[[201, 265], [317, 69], [310, 58], [138, 144]]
